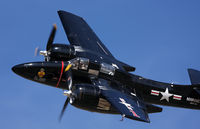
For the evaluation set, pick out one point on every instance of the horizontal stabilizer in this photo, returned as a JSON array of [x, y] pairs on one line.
[[194, 76]]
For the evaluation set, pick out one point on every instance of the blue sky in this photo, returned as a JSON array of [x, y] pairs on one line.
[[161, 38]]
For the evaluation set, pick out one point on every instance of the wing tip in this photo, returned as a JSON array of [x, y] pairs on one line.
[[62, 12], [138, 119]]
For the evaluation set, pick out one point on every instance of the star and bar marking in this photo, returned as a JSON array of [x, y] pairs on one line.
[[165, 95]]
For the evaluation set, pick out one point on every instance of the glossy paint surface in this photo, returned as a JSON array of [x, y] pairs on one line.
[[169, 30]]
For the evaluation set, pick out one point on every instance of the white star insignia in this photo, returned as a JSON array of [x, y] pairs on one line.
[[166, 95]]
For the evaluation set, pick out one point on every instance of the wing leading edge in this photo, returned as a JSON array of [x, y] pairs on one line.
[[79, 33]]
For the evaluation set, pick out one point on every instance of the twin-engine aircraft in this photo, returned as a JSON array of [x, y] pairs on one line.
[[94, 80]]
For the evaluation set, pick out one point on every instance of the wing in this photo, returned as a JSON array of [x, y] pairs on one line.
[[80, 34], [129, 106]]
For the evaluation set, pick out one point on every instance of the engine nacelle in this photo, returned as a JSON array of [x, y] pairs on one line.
[[88, 97], [60, 52], [86, 93]]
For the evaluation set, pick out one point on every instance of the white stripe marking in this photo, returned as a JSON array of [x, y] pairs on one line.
[[102, 48], [155, 92]]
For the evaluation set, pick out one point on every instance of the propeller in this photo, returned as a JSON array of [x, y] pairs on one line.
[[64, 108], [68, 75], [51, 37], [37, 51], [49, 44]]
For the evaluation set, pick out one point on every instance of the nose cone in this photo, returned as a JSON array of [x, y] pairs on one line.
[[18, 69], [35, 70], [25, 70]]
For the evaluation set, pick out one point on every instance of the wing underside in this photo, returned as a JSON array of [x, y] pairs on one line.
[[128, 106]]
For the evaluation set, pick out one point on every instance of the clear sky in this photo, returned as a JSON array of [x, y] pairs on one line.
[[161, 38]]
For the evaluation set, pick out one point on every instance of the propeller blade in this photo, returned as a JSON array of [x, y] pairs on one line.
[[64, 107], [36, 53], [51, 37]]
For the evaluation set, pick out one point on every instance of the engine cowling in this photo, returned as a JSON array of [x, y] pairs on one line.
[[88, 97], [86, 94], [60, 52]]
